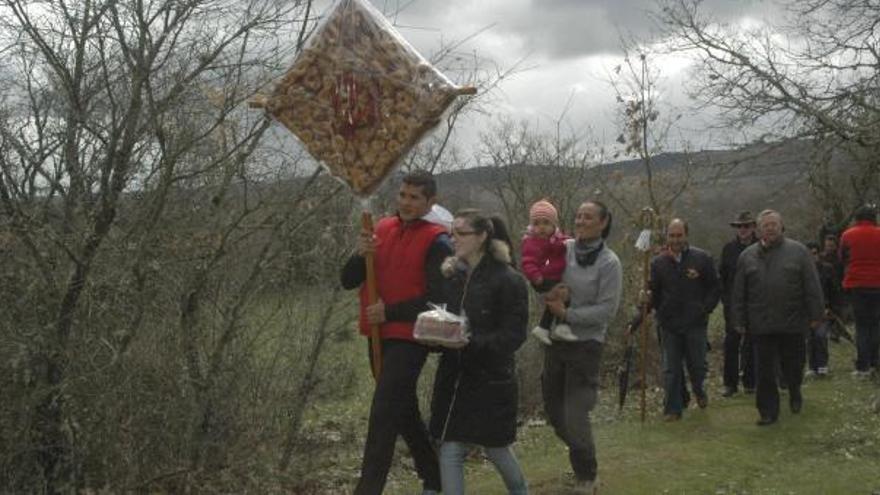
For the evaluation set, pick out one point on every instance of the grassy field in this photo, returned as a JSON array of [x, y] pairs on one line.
[[832, 447]]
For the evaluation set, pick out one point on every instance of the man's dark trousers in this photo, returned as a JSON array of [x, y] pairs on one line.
[[738, 356], [395, 411], [788, 349], [866, 309]]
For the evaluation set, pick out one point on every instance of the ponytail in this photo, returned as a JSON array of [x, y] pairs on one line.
[[501, 236]]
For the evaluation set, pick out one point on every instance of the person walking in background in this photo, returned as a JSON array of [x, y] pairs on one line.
[[839, 307], [777, 298], [830, 253], [408, 253], [543, 261], [738, 355], [591, 284], [860, 254], [817, 342], [684, 291], [475, 389]]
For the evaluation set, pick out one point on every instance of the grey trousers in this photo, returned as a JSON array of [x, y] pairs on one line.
[[570, 386]]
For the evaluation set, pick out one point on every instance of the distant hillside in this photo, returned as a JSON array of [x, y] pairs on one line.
[[724, 182]]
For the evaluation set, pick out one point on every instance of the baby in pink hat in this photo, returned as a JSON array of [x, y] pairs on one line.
[[543, 261]]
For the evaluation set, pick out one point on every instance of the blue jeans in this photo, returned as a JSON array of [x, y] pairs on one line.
[[688, 345], [452, 455], [866, 309]]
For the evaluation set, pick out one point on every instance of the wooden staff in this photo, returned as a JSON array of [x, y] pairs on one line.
[[372, 297], [648, 217]]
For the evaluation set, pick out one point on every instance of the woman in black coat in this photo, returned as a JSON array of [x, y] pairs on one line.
[[475, 390]]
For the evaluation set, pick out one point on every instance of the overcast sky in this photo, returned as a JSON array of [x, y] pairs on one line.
[[570, 47]]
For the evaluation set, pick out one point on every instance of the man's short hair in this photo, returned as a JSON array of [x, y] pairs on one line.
[[423, 179], [768, 212], [811, 245], [866, 212], [682, 221]]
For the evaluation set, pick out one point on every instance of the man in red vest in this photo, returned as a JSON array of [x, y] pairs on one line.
[[860, 253], [408, 252]]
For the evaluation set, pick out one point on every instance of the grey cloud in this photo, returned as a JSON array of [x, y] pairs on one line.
[[574, 28], [561, 29]]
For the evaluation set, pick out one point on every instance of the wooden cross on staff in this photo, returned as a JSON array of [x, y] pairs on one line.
[[359, 97], [644, 244]]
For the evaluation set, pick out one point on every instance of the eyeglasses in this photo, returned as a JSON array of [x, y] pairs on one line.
[[459, 233]]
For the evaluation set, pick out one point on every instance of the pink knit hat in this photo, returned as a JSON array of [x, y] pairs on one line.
[[543, 209]]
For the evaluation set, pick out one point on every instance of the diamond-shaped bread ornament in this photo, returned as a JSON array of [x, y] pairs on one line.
[[359, 96]]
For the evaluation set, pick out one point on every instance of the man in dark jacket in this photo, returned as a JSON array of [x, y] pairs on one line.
[[738, 354], [684, 291], [777, 298], [408, 253], [860, 252], [817, 343]]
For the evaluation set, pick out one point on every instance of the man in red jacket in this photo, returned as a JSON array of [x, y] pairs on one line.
[[860, 254], [408, 252]]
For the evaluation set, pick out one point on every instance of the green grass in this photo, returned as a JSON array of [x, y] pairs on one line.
[[832, 447]]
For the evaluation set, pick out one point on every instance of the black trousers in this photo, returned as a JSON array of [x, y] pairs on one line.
[[738, 356], [395, 411], [866, 309], [570, 387], [771, 350]]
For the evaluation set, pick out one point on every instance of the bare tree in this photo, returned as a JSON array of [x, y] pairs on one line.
[[527, 165], [155, 232], [107, 103], [811, 76], [647, 129]]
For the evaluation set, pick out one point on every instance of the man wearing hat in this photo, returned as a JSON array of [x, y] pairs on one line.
[[737, 347]]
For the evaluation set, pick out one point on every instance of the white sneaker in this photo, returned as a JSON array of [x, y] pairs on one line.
[[862, 375], [563, 332], [810, 374], [822, 371], [542, 335]]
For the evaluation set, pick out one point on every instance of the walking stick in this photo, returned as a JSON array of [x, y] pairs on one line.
[[644, 244], [372, 297], [841, 326]]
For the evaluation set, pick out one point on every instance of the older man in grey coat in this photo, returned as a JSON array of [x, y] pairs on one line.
[[777, 297]]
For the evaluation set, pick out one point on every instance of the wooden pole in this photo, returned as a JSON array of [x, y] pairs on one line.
[[372, 297], [643, 346], [648, 216]]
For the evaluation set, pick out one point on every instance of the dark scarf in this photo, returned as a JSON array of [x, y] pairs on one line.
[[585, 253]]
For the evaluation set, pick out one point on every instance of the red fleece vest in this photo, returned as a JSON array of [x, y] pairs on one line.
[[862, 242], [400, 269]]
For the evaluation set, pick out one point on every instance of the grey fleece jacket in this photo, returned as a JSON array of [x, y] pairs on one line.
[[776, 289], [595, 293]]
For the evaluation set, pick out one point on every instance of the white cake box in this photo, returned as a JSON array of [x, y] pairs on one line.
[[440, 327]]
